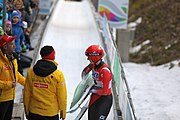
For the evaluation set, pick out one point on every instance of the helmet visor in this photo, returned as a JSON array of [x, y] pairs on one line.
[[92, 54]]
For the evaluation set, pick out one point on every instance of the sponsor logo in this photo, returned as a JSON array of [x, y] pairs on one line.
[[6, 67], [95, 75], [102, 117], [93, 54], [39, 85]]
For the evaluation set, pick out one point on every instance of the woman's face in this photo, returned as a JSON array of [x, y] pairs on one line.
[[18, 5], [90, 60]]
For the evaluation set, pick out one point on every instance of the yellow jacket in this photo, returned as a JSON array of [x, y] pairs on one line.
[[7, 75], [45, 90]]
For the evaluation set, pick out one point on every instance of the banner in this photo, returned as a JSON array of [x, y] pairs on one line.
[[44, 7], [116, 12], [117, 70]]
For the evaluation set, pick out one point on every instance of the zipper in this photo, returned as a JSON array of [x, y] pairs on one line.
[[13, 68]]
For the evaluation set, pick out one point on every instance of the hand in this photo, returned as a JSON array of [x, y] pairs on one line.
[[62, 118], [61, 115], [13, 84], [27, 116], [92, 91], [24, 47]]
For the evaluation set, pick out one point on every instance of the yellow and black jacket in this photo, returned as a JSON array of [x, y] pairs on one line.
[[45, 90], [8, 74]]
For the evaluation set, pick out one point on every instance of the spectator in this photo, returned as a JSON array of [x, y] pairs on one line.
[[8, 27], [9, 8], [9, 76], [45, 90], [1, 14], [20, 39], [26, 35], [19, 7], [28, 12]]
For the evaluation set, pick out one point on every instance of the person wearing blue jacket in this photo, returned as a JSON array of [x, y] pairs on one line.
[[20, 39], [1, 13]]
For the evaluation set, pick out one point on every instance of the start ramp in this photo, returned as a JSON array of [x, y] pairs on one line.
[[70, 30]]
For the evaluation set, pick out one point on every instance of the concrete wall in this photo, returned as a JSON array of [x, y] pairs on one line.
[[123, 38]]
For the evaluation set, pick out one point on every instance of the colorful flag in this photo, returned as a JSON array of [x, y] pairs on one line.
[[116, 12]]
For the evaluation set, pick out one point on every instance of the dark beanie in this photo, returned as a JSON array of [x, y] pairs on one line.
[[47, 52]]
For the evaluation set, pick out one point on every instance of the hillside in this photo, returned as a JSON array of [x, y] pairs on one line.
[[161, 26]]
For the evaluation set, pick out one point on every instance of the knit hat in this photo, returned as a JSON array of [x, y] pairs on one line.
[[47, 52], [8, 23], [24, 24], [15, 14], [5, 39]]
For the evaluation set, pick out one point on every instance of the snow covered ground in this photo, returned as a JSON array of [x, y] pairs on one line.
[[155, 90]]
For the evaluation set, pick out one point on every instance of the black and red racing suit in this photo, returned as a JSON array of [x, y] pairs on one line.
[[101, 98]]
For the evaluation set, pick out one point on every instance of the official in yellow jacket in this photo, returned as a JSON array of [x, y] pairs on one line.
[[45, 94], [9, 76]]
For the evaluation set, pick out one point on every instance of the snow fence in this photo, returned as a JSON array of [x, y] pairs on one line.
[[123, 106]]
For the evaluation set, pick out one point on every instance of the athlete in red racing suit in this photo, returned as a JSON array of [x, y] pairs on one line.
[[101, 98]]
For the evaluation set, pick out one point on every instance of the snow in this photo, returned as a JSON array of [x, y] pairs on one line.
[[70, 32], [133, 25], [155, 90], [138, 47]]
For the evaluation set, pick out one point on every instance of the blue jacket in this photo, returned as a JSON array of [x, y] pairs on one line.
[[20, 39], [18, 32]]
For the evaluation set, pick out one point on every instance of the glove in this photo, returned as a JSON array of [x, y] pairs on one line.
[[95, 87], [17, 56], [1, 31], [61, 115], [86, 70], [24, 47], [27, 116], [13, 84], [92, 90]]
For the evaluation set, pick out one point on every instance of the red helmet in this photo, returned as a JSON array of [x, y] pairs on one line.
[[94, 52]]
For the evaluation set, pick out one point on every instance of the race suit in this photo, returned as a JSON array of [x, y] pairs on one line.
[[101, 98]]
